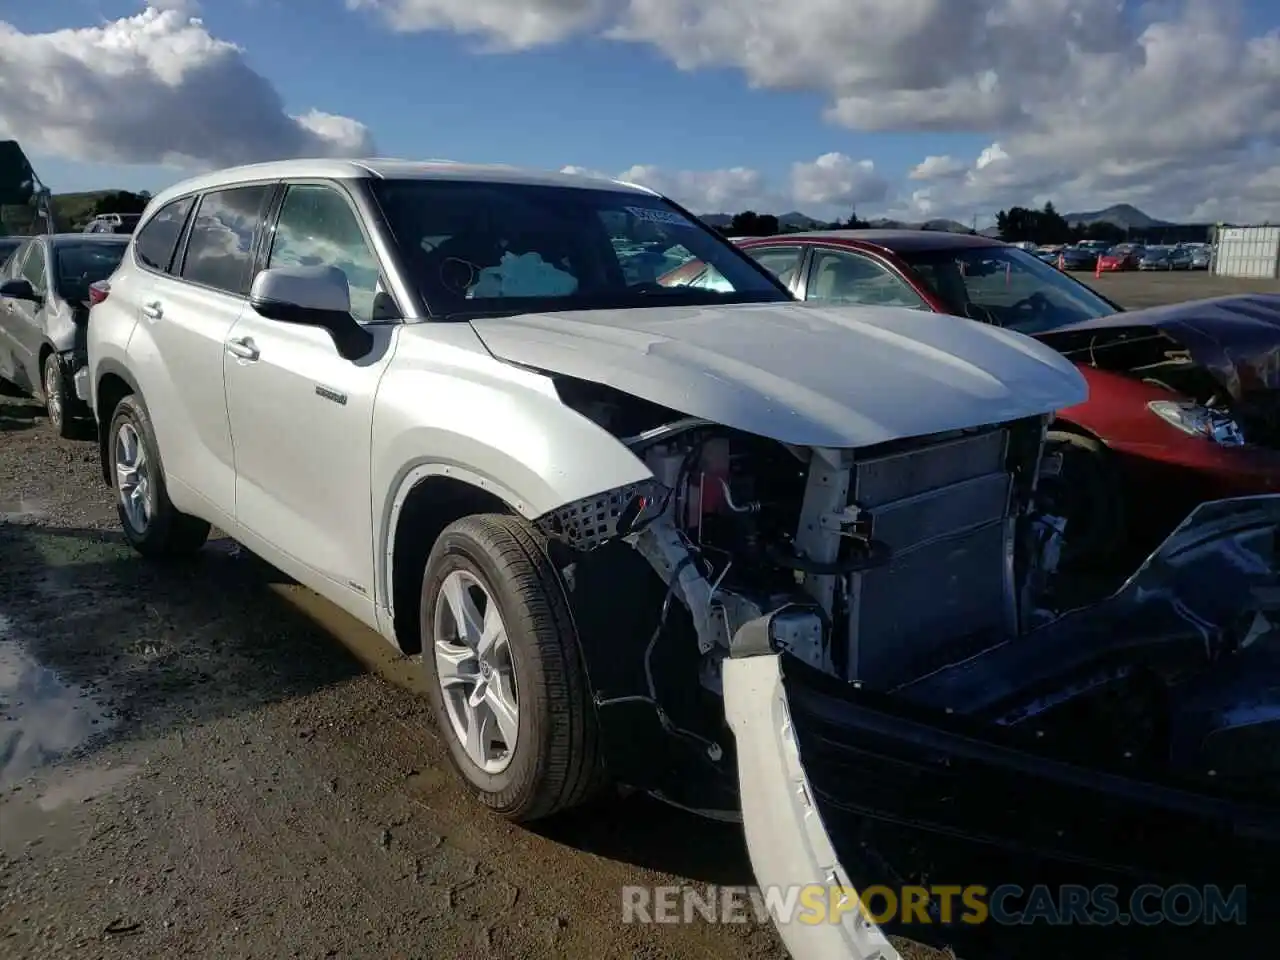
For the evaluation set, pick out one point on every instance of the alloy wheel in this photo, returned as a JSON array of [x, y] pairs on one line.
[[133, 477], [475, 671], [53, 392]]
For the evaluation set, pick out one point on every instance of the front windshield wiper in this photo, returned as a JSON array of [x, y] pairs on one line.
[[459, 315]]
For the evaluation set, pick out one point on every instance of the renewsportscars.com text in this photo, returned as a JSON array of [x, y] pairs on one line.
[[1009, 904]]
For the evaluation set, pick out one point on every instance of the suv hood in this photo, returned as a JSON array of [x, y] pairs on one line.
[[1235, 338], [800, 373]]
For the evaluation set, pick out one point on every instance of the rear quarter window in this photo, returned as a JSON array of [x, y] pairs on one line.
[[155, 243]]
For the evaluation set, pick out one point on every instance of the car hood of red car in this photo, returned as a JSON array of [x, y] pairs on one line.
[[1235, 338]]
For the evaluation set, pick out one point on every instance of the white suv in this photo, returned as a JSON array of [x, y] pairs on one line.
[[616, 516]]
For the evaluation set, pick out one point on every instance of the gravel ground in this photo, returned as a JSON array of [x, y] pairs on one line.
[[204, 759]]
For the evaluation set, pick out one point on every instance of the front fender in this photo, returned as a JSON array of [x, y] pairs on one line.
[[448, 408]]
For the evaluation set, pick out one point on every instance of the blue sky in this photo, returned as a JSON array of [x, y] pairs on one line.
[[605, 106], [587, 101]]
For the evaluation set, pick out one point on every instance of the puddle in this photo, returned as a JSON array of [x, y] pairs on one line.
[[41, 717], [84, 785], [11, 511]]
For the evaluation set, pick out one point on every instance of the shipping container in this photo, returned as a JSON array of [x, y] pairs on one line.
[[1250, 252]]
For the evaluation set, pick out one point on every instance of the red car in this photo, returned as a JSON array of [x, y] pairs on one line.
[[1119, 258], [1184, 400]]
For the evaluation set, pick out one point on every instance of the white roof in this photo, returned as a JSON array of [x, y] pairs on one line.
[[388, 169]]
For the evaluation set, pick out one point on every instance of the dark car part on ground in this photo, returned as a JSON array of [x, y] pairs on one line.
[[1079, 751]]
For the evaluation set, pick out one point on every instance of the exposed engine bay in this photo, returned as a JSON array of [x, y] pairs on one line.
[[922, 572]]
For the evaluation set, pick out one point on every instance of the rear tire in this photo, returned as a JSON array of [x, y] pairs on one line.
[[1089, 494], [57, 399], [555, 762], [151, 523]]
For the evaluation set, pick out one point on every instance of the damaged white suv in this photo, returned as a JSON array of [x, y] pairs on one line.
[[699, 540]]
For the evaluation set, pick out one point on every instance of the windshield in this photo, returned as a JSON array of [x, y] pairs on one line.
[[477, 248], [1006, 286], [77, 265]]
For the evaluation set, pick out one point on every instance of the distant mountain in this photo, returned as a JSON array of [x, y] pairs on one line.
[[794, 220], [1123, 215], [947, 226], [941, 226], [799, 221]]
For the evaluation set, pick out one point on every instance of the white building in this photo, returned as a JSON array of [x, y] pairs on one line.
[[1247, 252]]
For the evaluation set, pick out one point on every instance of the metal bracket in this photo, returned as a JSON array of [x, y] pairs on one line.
[[661, 544]]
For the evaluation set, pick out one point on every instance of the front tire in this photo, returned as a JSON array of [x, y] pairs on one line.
[[151, 523], [506, 681]]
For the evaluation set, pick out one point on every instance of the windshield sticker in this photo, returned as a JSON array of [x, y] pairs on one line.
[[668, 218], [523, 275]]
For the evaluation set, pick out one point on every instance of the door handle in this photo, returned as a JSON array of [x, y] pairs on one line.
[[153, 310], [243, 348]]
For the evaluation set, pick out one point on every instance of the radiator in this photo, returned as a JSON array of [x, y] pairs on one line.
[[943, 508]]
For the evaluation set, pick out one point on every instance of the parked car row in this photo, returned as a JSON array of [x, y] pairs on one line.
[[771, 531], [1106, 258]]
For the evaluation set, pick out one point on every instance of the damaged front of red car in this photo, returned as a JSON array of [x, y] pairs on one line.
[[1185, 398]]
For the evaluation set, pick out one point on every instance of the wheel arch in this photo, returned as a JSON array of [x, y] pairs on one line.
[[428, 497], [112, 384]]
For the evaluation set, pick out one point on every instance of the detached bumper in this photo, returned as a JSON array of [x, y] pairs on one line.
[[786, 837]]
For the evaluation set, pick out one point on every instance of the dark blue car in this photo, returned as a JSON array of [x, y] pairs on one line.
[[1077, 258]]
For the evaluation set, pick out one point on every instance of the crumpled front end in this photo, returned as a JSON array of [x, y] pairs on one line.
[[819, 639]]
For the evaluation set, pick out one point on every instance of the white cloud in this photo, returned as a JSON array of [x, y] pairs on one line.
[[937, 168], [1089, 100], [153, 88], [707, 191], [828, 185], [835, 179], [507, 24]]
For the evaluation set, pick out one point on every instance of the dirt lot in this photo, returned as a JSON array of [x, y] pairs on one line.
[[1135, 290], [205, 760]]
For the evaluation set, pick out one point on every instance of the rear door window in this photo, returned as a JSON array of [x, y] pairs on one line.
[[156, 242], [842, 276], [220, 249], [782, 262]]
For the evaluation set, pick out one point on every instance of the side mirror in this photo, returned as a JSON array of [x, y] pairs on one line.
[[313, 297], [19, 288]]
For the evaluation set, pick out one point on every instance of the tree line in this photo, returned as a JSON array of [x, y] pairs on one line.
[[1016, 224], [1046, 225]]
